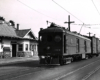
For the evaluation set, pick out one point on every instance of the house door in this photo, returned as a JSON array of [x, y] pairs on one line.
[[13, 50]]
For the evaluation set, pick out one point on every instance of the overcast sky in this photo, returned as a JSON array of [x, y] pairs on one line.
[[35, 13]]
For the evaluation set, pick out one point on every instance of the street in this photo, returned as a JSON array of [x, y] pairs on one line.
[[32, 70]]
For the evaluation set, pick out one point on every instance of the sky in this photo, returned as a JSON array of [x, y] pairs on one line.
[[33, 14]]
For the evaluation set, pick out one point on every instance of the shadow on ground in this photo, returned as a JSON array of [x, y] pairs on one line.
[[34, 63]]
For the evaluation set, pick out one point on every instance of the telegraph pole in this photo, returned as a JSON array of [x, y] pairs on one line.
[[69, 22]]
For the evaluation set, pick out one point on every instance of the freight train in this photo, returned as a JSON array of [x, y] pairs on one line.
[[57, 45]]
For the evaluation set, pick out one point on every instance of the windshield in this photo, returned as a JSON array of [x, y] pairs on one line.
[[50, 38]]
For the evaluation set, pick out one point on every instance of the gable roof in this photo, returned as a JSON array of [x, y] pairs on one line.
[[22, 33], [25, 32], [7, 31]]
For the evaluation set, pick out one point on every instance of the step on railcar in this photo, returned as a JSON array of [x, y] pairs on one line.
[[57, 45]]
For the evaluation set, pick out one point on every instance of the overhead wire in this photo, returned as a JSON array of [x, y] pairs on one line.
[[92, 24], [95, 7], [63, 9], [36, 10], [82, 25], [87, 24], [97, 11], [47, 15], [71, 14], [67, 11]]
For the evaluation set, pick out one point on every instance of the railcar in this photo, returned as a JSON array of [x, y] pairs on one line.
[[98, 46], [57, 45], [95, 46]]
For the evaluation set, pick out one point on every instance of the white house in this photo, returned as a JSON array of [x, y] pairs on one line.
[[15, 42]]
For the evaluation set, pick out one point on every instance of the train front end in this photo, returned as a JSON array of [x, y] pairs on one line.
[[50, 46]]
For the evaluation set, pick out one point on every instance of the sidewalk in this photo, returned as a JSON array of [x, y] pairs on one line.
[[17, 60]]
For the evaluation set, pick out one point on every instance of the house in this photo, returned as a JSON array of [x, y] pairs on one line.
[[15, 42]]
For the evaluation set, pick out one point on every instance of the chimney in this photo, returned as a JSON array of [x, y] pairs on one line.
[[17, 26]]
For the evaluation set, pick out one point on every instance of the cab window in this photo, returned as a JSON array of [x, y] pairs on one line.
[[49, 38], [40, 38]]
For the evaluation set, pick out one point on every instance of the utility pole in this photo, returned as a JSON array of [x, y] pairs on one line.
[[69, 22], [89, 34]]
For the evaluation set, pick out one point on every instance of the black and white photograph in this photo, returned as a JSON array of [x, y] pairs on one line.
[[49, 39]]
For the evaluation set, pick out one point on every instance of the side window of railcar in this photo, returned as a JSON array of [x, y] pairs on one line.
[[77, 45]]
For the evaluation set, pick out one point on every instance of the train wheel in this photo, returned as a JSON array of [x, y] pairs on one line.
[[48, 60], [72, 59], [97, 55], [61, 61]]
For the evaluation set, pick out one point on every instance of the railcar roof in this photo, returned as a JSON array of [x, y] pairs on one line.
[[53, 29], [78, 35], [59, 29]]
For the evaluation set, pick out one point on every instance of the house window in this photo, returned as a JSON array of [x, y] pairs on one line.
[[34, 47], [30, 47], [20, 47], [26, 47]]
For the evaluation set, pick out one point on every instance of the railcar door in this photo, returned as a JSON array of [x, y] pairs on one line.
[[64, 43]]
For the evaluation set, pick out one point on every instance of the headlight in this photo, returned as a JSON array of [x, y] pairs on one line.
[[48, 48], [57, 38], [42, 57]]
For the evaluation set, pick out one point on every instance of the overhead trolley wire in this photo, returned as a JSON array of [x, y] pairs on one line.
[[86, 24], [64, 9], [36, 10], [67, 11], [83, 25], [76, 17], [95, 7]]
